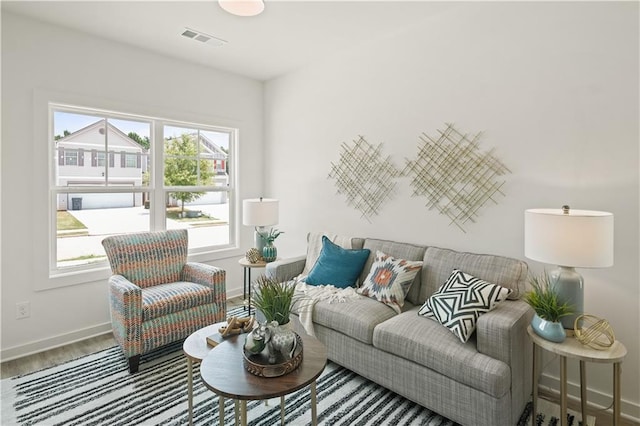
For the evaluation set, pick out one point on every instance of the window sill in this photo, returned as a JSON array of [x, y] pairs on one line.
[[102, 271]]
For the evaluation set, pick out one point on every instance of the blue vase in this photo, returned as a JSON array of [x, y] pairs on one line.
[[551, 331], [269, 253]]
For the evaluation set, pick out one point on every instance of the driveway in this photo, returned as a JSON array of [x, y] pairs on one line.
[[133, 219], [103, 222]]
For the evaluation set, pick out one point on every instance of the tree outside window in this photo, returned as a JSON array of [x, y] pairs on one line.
[[184, 166]]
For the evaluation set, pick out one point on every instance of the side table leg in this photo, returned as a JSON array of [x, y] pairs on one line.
[[245, 280], [246, 288], [563, 391], [190, 388], [314, 407], [534, 381], [583, 392], [282, 410], [221, 410], [243, 412], [616, 393], [249, 291]]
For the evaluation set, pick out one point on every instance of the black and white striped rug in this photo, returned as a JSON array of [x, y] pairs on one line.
[[98, 390]]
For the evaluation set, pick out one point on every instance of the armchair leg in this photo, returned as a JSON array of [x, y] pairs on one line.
[[134, 362]]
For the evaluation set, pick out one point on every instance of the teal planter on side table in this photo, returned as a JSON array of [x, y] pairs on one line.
[[551, 331], [269, 252]]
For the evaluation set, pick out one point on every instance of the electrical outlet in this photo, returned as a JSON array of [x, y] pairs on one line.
[[23, 310]]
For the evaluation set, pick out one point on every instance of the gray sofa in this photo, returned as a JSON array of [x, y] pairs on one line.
[[485, 381]]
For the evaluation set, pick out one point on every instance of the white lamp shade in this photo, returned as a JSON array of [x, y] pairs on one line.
[[242, 7], [580, 238], [260, 212]]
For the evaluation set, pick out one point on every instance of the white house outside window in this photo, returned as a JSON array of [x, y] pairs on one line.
[[104, 182]]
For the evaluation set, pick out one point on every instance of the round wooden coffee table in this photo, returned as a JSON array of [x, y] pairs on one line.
[[223, 372]]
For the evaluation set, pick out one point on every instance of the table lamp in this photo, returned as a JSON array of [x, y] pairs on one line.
[[260, 213], [570, 239]]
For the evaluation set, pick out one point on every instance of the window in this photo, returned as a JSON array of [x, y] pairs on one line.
[[131, 160], [70, 158], [101, 158], [120, 192]]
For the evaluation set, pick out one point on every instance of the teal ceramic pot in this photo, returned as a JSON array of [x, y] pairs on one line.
[[551, 331], [269, 253]]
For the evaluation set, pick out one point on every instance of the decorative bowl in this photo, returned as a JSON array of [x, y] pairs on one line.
[[258, 364]]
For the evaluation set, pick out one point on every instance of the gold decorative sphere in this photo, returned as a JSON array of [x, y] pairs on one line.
[[595, 332], [253, 255]]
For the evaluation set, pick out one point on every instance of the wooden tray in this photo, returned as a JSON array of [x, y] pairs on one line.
[[258, 364]]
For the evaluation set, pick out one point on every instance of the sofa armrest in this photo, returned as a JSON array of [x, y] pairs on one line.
[[125, 300], [210, 276], [501, 333], [286, 269]]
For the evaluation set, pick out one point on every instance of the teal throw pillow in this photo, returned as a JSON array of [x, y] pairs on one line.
[[337, 266]]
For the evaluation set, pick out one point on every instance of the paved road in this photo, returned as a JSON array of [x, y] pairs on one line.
[[102, 222]]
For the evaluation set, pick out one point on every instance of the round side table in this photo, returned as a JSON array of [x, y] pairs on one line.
[[195, 348], [246, 289], [572, 348]]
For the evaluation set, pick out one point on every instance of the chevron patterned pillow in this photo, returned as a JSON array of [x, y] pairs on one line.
[[389, 280], [460, 301]]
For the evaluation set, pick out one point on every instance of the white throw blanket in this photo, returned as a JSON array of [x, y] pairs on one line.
[[308, 295]]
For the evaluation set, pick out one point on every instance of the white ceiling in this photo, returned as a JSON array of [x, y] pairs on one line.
[[286, 36]]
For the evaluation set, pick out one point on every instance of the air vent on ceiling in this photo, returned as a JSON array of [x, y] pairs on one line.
[[203, 38]]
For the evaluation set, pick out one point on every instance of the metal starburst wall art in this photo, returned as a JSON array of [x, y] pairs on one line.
[[455, 176], [364, 176]]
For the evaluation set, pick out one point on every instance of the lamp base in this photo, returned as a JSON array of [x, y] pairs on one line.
[[569, 285], [258, 241]]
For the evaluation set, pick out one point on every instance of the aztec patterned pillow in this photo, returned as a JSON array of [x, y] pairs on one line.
[[460, 301], [390, 279]]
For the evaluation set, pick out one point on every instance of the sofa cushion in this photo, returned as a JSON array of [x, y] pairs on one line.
[[438, 264], [357, 317], [165, 299], [389, 280], [314, 247], [399, 251], [337, 266], [427, 343], [460, 301]]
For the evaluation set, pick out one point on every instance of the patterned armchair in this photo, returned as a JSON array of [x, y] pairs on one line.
[[156, 296]]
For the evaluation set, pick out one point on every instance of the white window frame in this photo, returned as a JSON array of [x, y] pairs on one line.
[[155, 187]]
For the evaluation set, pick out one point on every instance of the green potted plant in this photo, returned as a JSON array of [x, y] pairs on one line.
[[269, 251], [275, 300], [543, 298]]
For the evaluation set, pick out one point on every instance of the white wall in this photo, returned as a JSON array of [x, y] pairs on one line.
[[555, 88], [41, 61]]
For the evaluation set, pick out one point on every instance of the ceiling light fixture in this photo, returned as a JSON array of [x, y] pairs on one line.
[[242, 7]]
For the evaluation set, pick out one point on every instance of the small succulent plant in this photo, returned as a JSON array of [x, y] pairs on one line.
[[543, 298], [270, 236]]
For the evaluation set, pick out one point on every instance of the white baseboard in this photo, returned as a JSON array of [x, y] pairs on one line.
[[37, 346], [237, 292], [630, 410]]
